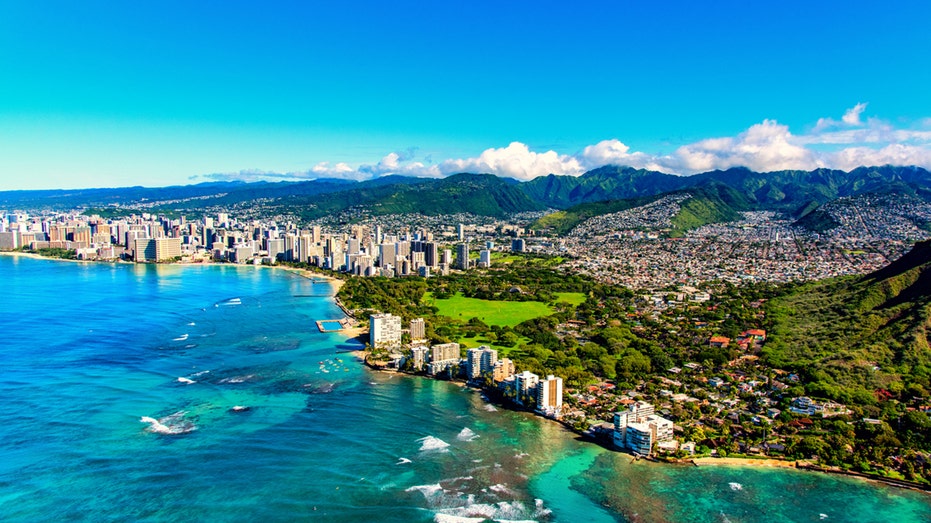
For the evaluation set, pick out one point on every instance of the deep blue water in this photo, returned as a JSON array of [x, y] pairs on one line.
[[88, 350]]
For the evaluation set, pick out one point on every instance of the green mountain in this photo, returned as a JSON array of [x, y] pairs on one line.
[[787, 191], [797, 193], [855, 338], [605, 183], [481, 194], [713, 203]]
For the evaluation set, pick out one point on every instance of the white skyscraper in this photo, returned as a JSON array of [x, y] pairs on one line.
[[385, 331]]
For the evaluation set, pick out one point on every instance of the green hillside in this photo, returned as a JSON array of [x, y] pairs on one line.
[[715, 203], [481, 194], [855, 339]]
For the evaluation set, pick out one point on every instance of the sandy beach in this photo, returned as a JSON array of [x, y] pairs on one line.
[[40, 257], [749, 462]]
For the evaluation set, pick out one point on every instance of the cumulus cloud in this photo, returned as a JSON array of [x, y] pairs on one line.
[[892, 154], [515, 161], [767, 146]]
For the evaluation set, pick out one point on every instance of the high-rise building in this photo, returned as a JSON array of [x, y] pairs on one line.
[[484, 258], [526, 383], [638, 428], [156, 249], [503, 369], [275, 248], [481, 361], [418, 329], [419, 357], [385, 331], [387, 255], [462, 256], [549, 396], [431, 254], [517, 245], [442, 357]]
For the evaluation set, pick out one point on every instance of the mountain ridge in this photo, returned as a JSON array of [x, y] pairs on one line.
[[793, 192]]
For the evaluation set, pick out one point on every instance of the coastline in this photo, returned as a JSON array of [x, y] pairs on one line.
[[747, 462], [36, 256], [354, 331], [804, 465], [359, 331]]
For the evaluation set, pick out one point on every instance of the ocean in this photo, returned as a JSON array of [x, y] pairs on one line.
[[193, 393]]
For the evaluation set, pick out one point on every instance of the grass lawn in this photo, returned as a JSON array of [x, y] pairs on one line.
[[573, 298], [503, 352], [504, 258], [502, 313]]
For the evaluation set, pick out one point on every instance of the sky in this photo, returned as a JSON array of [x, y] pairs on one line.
[[110, 94]]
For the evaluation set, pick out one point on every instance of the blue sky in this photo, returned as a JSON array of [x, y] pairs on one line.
[[161, 93]]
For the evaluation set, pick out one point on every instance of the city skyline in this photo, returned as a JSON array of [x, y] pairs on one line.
[[111, 95]]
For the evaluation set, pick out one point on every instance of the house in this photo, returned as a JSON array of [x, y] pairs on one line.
[[719, 341]]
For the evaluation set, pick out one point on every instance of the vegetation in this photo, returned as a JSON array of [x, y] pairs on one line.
[[64, 254], [500, 313], [713, 203], [859, 340], [481, 194]]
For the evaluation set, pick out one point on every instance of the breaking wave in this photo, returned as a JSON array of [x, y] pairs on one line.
[[432, 443], [467, 434]]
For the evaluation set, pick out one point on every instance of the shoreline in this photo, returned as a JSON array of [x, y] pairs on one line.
[[804, 465], [357, 331], [755, 462], [353, 332], [36, 256], [745, 462]]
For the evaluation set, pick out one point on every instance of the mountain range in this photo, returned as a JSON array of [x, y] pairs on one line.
[[717, 195]]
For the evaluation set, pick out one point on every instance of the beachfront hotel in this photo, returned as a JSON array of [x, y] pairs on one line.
[[638, 428], [549, 396], [385, 331]]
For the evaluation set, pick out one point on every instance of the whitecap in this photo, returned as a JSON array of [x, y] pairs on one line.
[[467, 434], [170, 425], [180, 338], [186, 381], [823, 516], [432, 443], [427, 490], [490, 408], [448, 518], [402, 461], [736, 486]]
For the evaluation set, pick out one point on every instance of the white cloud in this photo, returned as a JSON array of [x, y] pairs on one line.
[[892, 154], [852, 116], [766, 146], [515, 161]]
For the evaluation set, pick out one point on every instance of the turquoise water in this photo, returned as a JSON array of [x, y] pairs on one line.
[[91, 349]]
